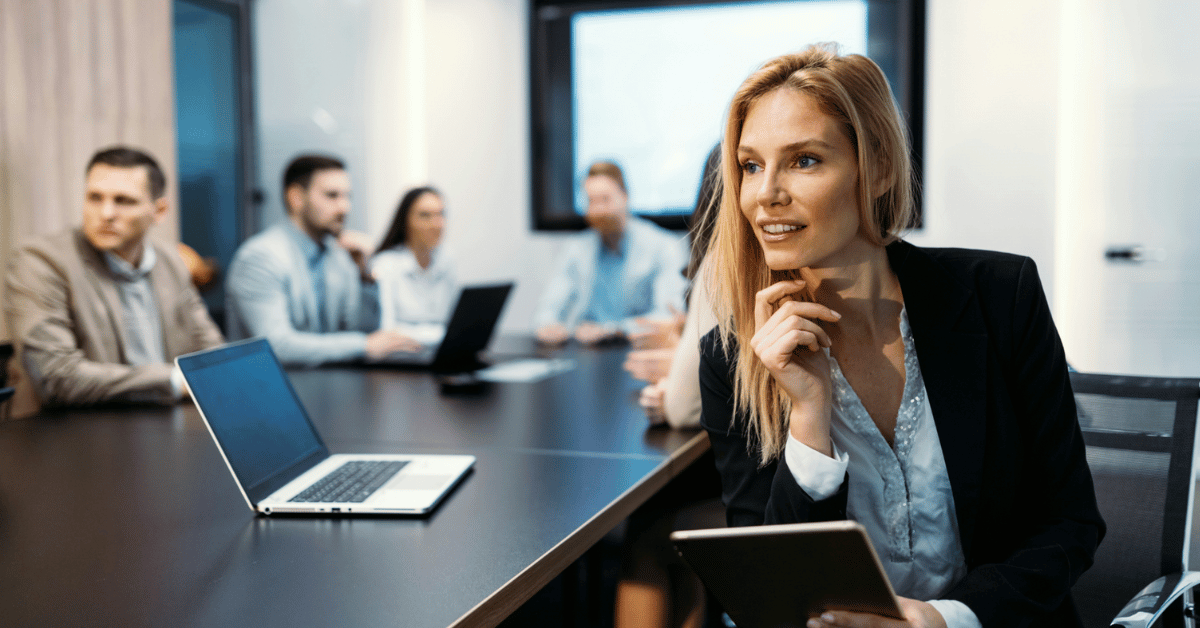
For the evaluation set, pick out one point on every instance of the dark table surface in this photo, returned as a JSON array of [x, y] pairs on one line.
[[129, 516]]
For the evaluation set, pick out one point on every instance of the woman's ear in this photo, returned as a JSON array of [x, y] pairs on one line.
[[885, 180]]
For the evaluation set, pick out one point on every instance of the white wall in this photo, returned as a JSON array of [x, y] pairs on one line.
[[310, 86], [418, 91], [991, 119], [478, 105]]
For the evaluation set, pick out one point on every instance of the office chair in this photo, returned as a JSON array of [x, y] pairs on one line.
[[1139, 433]]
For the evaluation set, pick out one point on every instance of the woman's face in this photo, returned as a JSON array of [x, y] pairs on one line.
[[799, 188], [426, 220], [607, 205]]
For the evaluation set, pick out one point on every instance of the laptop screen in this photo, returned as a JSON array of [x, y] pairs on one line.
[[251, 409]]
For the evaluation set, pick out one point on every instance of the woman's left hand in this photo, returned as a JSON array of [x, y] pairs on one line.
[[917, 614]]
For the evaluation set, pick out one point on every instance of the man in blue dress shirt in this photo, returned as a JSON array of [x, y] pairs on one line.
[[304, 283], [622, 270]]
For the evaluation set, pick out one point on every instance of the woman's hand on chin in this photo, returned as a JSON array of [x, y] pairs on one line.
[[916, 615], [788, 341]]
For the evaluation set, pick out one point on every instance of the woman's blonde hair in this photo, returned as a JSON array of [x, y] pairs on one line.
[[852, 90]]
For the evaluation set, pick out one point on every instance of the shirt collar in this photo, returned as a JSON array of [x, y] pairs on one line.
[[407, 261], [125, 270], [622, 244], [310, 249]]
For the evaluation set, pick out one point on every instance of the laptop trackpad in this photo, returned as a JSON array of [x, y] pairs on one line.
[[415, 482]]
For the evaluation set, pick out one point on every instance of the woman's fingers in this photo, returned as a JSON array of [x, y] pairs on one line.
[[917, 614], [791, 326], [775, 344], [767, 299]]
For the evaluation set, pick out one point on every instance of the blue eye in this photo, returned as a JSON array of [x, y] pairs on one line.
[[806, 161], [750, 167]]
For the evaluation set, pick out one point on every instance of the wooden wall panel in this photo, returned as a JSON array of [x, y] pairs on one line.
[[78, 75]]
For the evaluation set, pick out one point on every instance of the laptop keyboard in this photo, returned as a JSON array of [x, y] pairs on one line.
[[354, 481]]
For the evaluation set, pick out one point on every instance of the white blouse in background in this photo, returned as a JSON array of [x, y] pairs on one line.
[[901, 495], [411, 297]]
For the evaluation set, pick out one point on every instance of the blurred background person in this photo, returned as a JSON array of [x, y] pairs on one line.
[[622, 268], [304, 283], [671, 362], [415, 275], [67, 290], [655, 587]]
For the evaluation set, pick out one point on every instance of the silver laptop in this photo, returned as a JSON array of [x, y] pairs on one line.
[[277, 457], [468, 332]]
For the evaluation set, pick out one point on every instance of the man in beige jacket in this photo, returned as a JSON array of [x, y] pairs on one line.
[[98, 313]]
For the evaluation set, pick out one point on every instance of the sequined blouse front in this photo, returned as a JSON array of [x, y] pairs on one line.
[[900, 494]]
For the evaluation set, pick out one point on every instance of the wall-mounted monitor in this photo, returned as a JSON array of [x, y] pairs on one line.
[[645, 83]]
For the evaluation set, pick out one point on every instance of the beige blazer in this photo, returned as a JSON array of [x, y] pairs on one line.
[[65, 314]]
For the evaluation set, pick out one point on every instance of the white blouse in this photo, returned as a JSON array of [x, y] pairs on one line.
[[410, 295], [901, 495]]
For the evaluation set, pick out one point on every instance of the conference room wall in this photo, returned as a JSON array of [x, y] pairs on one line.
[[411, 92]]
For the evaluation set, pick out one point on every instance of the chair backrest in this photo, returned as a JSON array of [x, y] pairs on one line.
[[6, 352], [1139, 433], [6, 391]]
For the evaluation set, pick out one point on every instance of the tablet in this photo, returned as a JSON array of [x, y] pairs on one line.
[[780, 575]]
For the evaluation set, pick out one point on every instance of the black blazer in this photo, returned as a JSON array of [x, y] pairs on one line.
[[996, 378]]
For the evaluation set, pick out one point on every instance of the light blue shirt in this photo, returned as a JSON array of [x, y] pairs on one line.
[[650, 282], [142, 322], [608, 304], [272, 292]]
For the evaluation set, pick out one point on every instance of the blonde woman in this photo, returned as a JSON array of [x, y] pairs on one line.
[[921, 392]]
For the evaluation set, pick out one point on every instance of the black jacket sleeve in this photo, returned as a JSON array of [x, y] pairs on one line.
[[753, 494]]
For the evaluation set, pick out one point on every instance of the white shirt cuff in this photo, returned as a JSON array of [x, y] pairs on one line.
[[177, 382], [819, 475], [956, 614]]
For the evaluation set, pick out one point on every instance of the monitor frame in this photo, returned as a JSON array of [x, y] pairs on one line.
[[895, 40]]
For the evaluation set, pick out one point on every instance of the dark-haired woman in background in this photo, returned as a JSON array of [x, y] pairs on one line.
[[922, 392], [417, 284]]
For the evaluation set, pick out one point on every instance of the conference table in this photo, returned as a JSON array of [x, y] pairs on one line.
[[128, 515]]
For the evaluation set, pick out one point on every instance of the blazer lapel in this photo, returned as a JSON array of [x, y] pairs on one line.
[[951, 340], [160, 280]]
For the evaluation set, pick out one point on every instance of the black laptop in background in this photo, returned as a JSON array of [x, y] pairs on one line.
[[468, 332]]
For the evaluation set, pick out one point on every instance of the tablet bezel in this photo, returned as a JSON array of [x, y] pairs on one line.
[[780, 575]]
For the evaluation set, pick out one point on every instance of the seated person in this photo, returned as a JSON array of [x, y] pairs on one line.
[[98, 313], [303, 284], [417, 285], [655, 588], [623, 268], [673, 396], [921, 392]]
